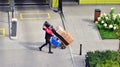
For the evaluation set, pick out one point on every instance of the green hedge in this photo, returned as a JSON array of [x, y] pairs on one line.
[[103, 59]]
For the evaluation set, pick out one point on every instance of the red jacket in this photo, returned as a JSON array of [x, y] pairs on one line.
[[48, 30]]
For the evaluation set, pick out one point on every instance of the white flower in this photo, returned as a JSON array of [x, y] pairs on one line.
[[112, 8], [99, 18], [105, 24], [119, 15], [106, 18], [110, 26], [96, 22], [101, 15], [104, 14], [102, 21], [114, 28], [114, 16]]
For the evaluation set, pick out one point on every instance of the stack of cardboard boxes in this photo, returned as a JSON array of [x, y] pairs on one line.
[[66, 36]]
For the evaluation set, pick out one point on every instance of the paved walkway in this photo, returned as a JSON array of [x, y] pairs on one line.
[[79, 22], [24, 52]]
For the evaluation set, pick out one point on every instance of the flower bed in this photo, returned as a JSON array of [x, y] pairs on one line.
[[103, 59], [107, 24], [107, 34]]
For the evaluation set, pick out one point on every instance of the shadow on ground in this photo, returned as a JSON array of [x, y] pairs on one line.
[[91, 23], [32, 45]]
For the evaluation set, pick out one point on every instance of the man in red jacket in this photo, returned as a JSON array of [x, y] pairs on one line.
[[48, 34]]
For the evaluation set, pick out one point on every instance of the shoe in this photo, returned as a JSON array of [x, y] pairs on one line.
[[40, 48], [50, 52]]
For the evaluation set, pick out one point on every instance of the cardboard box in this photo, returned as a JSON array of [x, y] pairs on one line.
[[65, 35]]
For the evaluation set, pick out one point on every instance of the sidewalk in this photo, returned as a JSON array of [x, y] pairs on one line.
[[24, 51], [79, 22]]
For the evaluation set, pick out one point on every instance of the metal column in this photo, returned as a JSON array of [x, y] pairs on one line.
[[60, 6], [12, 7]]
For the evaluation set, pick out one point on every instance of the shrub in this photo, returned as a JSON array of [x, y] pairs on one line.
[[109, 21], [103, 59]]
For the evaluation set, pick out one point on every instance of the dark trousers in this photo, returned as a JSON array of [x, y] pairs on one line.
[[47, 42]]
